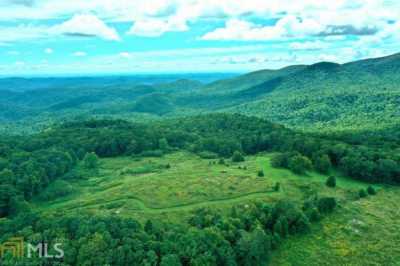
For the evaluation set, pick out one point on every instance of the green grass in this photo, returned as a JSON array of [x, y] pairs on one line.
[[146, 187], [360, 232]]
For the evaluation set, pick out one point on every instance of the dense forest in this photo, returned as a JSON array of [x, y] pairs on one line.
[[357, 96]]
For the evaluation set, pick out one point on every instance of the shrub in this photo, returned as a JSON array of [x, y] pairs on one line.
[[322, 163], [91, 160], [362, 193], [57, 189], [371, 190], [260, 173], [221, 161], [208, 155], [302, 224], [326, 204], [331, 181], [299, 164], [237, 157], [277, 186], [313, 214], [280, 160]]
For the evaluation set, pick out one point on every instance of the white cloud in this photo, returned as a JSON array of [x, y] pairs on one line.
[[156, 27], [125, 55], [77, 26], [48, 51], [288, 26], [80, 54], [153, 18], [316, 45], [86, 26]]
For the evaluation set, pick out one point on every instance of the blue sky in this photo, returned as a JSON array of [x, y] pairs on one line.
[[57, 37]]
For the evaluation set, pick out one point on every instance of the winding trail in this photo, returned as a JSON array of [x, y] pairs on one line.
[[142, 207]]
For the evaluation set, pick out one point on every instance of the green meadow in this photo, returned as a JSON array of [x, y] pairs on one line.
[[181, 182], [171, 187]]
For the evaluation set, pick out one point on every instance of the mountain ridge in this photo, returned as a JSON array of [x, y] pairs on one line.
[[324, 95]]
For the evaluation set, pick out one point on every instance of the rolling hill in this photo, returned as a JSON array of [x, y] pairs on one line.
[[360, 95], [357, 95]]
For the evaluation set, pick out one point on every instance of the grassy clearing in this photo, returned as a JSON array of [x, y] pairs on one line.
[[360, 232], [181, 182]]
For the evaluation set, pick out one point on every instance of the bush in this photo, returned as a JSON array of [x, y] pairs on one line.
[[208, 155], [57, 189], [221, 161], [260, 173], [326, 205], [331, 181], [313, 214], [277, 186], [322, 163], [237, 157], [280, 160], [91, 160], [362, 193], [299, 164], [302, 224], [142, 169], [371, 190]]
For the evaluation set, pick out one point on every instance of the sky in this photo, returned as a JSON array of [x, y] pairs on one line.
[[58, 37]]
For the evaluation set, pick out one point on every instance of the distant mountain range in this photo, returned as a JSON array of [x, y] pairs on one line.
[[359, 95]]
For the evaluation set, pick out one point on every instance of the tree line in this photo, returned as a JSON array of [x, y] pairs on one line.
[[28, 164], [245, 236]]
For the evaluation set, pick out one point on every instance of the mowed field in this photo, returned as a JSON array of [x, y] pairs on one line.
[[169, 188]]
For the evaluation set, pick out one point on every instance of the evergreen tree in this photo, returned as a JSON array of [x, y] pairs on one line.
[[326, 205], [91, 160], [237, 157], [362, 193], [300, 164], [371, 190], [331, 181], [277, 186], [322, 164], [163, 144]]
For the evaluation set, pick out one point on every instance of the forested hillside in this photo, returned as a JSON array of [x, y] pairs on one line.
[[359, 95], [362, 96]]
